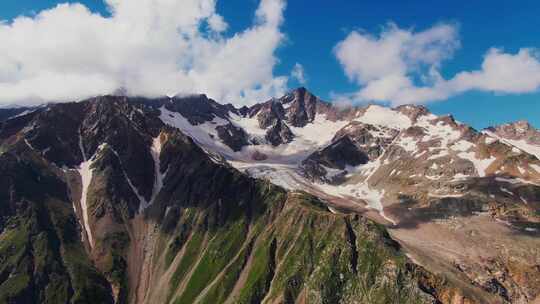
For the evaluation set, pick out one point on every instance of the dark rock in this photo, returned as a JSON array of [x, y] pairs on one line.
[[127, 131], [338, 155], [412, 111], [270, 112], [362, 135], [233, 136], [56, 132], [494, 286], [279, 133], [8, 113], [198, 109], [258, 156], [302, 108]]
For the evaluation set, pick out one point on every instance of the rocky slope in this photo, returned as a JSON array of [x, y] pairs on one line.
[[134, 200], [101, 202], [436, 183]]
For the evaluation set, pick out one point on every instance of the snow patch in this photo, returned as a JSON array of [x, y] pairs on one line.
[[372, 197], [281, 175], [383, 116], [81, 146], [489, 140], [407, 143], [331, 172], [460, 177], [515, 181], [204, 134], [310, 138], [506, 191], [462, 146], [445, 195], [86, 172], [22, 114], [441, 153], [155, 150], [440, 131], [28, 144], [480, 164], [249, 124], [433, 177], [520, 144], [333, 210], [507, 180]]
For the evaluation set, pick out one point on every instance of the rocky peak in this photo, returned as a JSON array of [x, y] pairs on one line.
[[412, 111], [197, 109], [243, 111], [279, 133], [521, 126], [519, 130], [514, 129], [301, 107], [269, 113], [420, 173]]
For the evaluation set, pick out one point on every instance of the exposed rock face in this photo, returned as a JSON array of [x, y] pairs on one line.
[[7, 113], [232, 136], [370, 139], [258, 156], [334, 158], [413, 111], [519, 130], [269, 113], [55, 138], [428, 175], [301, 107], [279, 133], [198, 108]]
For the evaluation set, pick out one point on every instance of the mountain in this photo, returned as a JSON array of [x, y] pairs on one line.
[[184, 200], [7, 113]]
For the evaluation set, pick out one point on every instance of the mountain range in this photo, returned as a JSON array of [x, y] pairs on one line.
[[182, 199]]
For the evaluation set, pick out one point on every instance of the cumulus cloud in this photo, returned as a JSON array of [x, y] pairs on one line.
[[148, 47], [402, 66], [299, 73]]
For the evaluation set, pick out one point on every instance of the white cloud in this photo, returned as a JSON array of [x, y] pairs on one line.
[[149, 47], [396, 52], [503, 73], [401, 66], [299, 73], [217, 23]]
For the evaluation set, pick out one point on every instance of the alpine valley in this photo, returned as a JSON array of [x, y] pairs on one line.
[[182, 199]]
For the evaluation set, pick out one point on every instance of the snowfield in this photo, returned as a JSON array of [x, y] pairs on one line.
[[86, 172], [383, 116], [280, 165]]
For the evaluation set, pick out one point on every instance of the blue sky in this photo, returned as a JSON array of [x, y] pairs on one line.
[[313, 28]]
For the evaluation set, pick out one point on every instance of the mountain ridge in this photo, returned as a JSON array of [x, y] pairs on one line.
[[164, 179]]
